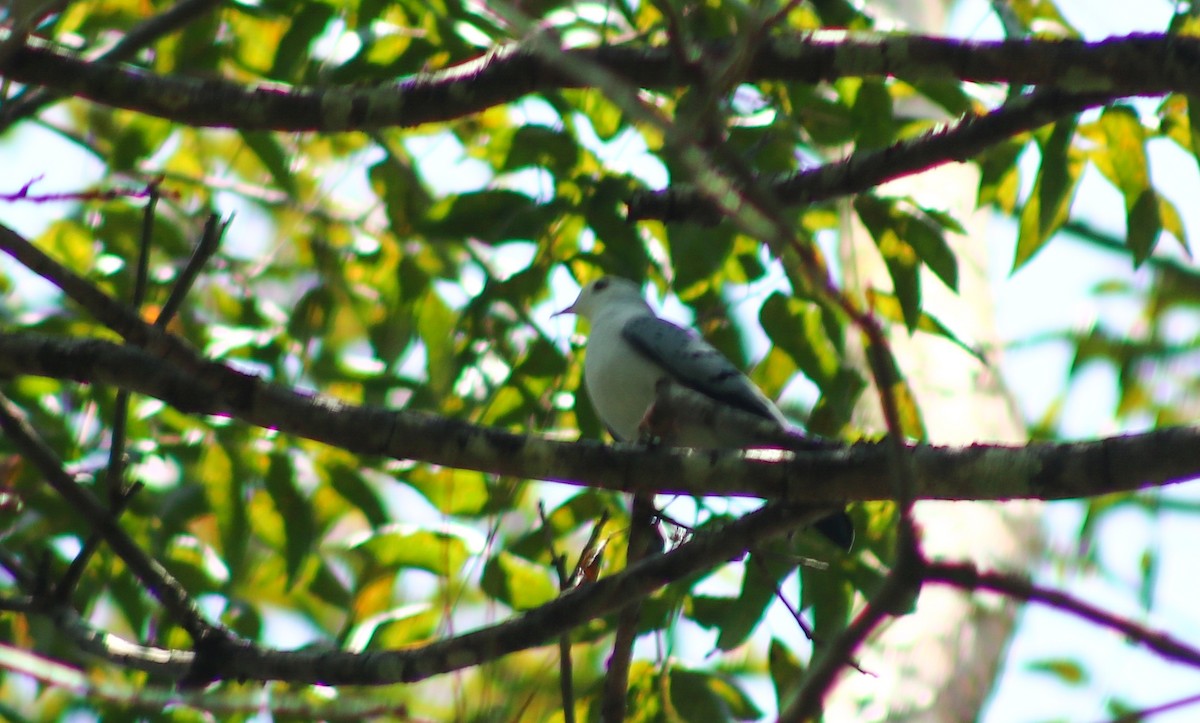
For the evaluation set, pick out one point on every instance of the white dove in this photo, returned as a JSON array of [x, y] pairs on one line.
[[630, 351]]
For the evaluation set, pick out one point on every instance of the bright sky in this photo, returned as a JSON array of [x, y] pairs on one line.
[[1053, 292]]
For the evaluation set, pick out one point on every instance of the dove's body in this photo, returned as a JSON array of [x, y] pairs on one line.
[[630, 350]]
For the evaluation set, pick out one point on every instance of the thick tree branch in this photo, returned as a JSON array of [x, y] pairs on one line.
[[218, 655], [1149, 64], [141, 36], [245, 661], [858, 472], [868, 169], [706, 550]]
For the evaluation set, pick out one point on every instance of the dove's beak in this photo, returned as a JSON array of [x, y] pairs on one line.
[[569, 310]]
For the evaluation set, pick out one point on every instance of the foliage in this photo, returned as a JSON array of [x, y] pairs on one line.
[[414, 269]]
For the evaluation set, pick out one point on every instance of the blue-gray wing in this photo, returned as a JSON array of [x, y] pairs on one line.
[[696, 364]]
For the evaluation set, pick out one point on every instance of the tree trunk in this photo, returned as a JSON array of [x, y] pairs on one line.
[[939, 663]]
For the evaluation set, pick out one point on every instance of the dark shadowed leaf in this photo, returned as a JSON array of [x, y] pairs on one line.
[[294, 509], [701, 696], [786, 671]]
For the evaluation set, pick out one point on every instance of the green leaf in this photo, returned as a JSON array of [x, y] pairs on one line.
[[1123, 160], [295, 511], [585, 508], [1149, 567], [760, 585], [624, 251], [827, 121], [491, 216], [698, 252], [292, 53], [736, 618], [436, 323], [832, 412], [830, 597], [1193, 116], [1125, 151], [872, 114], [949, 94], [399, 186], [327, 586], [276, 160], [930, 244], [1053, 192], [195, 565], [888, 226], [1144, 226], [225, 488], [644, 699], [395, 628], [534, 145], [137, 140], [1068, 671], [887, 306], [70, 244], [354, 488], [605, 117], [798, 328], [1043, 16], [442, 552], [999, 176], [702, 697], [312, 315], [451, 491], [786, 671], [1172, 222], [517, 582]]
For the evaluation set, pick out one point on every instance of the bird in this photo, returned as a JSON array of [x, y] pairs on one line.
[[630, 351]]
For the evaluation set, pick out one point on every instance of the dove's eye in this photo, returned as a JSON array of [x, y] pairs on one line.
[[602, 284]]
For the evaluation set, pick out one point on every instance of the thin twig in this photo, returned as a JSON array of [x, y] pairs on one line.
[[1149, 713], [969, 577], [70, 579], [116, 453], [587, 567], [644, 541], [888, 601], [566, 674], [156, 579], [210, 241]]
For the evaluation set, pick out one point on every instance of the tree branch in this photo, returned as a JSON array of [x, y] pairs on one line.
[[1147, 64], [31, 100], [865, 170], [705, 551], [968, 577], [160, 583], [245, 661], [1042, 470]]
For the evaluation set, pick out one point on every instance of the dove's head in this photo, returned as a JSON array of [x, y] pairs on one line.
[[606, 293]]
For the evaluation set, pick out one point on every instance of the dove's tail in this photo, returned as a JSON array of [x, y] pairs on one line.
[[838, 528]]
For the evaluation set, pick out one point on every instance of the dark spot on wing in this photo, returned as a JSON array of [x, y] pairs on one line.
[[694, 363]]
